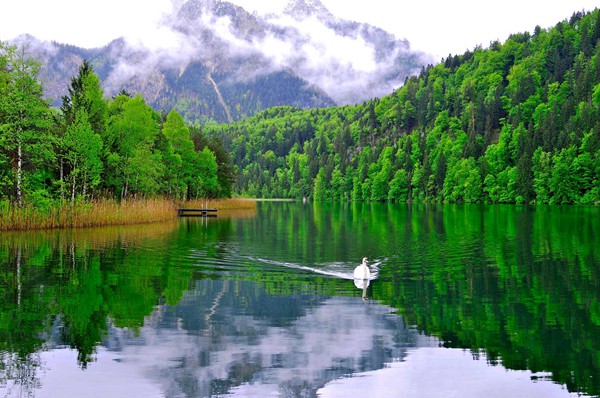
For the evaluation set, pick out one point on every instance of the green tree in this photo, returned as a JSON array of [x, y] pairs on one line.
[[463, 182], [338, 191], [562, 183], [205, 182], [85, 100], [133, 131], [86, 92], [178, 134], [381, 180], [170, 184], [320, 187], [226, 172], [25, 144], [83, 149], [399, 187], [357, 195], [542, 173], [143, 172]]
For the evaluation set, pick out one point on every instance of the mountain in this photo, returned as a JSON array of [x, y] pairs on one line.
[[518, 122], [223, 63], [307, 8]]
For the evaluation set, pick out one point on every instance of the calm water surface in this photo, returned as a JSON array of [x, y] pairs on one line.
[[467, 301]]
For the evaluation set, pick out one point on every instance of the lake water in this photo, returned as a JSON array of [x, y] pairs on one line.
[[464, 301]]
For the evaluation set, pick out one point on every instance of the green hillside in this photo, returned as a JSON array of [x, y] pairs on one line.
[[517, 122]]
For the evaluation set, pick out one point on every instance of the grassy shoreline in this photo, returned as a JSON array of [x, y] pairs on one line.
[[105, 212]]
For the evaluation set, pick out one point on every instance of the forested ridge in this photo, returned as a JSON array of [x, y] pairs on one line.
[[517, 122], [94, 147]]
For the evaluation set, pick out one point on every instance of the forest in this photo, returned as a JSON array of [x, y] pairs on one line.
[[94, 147], [517, 122]]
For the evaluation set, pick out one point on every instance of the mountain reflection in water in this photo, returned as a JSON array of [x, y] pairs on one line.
[[213, 342], [466, 301]]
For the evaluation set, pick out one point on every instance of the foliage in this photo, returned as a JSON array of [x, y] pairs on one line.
[[25, 150], [94, 147], [517, 122], [470, 129]]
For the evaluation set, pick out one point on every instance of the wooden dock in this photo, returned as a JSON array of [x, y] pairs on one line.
[[197, 212]]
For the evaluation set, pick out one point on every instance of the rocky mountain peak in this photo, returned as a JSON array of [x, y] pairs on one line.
[[194, 13], [305, 8]]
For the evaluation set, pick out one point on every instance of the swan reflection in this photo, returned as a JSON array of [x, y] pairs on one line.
[[362, 284]]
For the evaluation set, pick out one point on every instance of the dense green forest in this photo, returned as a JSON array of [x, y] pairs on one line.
[[93, 147], [517, 122]]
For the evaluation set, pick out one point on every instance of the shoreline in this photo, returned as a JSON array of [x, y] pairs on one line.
[[106, 212]]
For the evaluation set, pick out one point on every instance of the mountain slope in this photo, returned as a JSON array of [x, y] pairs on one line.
[[223, 63], [518, 122]]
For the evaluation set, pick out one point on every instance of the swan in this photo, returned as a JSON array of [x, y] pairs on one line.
[[362, 271]]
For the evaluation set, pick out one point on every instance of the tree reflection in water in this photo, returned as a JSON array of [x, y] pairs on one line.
[[192, 310]]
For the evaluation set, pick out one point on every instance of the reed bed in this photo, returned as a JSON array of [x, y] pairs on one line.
[[221, 204], [92, 214], [106, 212]]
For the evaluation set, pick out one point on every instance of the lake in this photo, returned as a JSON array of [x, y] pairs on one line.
[[465, 301]]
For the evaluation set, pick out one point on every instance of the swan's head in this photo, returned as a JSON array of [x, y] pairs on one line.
[[365, 261]]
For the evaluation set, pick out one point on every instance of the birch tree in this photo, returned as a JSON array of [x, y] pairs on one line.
[[25, 143]]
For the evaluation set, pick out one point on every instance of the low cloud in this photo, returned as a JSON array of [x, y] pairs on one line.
[[351, 62], [345, 66]]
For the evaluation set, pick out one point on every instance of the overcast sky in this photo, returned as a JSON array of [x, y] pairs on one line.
[[437, 27]]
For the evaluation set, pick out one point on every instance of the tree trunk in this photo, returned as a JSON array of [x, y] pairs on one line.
[[62, 176], [73, 193], [84, 185], [19, 173]]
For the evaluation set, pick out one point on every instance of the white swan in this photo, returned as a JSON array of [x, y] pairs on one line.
[[362, 271]]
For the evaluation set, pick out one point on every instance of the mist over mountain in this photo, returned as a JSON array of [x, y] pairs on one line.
[[213, 60]]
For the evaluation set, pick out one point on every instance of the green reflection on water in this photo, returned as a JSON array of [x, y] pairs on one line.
[[520, 283]]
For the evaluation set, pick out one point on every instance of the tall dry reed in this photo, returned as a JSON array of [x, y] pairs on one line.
[[106, 212], [92, 214], [220, 204]]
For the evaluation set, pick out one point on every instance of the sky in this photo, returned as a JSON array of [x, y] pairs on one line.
[[436, 27]]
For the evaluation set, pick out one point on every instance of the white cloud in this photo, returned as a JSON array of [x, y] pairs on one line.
[[323, 46], [343, 66], [438, 27]]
